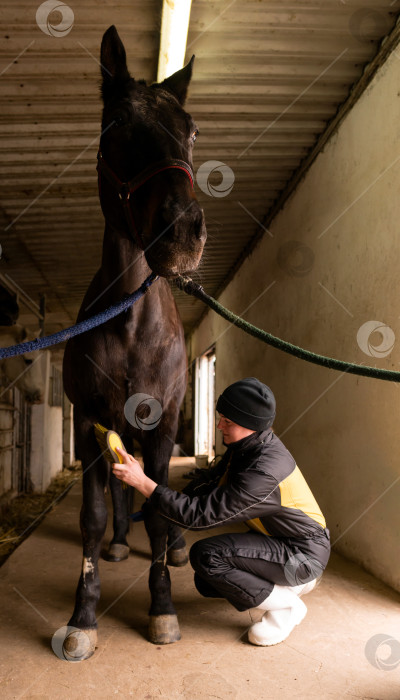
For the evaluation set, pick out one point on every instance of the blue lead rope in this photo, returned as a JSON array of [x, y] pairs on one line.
[[137, 517], [60, 336], [190, 287]]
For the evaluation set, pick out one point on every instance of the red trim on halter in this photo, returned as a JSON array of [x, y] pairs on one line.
[[125, 189], [186, 168]]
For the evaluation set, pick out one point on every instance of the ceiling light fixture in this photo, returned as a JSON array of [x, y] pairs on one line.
[[174, 30]]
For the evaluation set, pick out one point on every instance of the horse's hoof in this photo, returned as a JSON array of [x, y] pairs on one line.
[[117, 552], [79, 644], [164, 629], [177, 557]]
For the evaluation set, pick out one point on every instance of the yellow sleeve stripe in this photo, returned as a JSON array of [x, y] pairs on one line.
[[256, 524], [303, 499], [224, 478]]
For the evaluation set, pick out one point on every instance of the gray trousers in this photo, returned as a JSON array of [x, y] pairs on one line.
[[243, 567]]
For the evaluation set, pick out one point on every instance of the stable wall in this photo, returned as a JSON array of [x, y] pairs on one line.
[[46, 458], [330, 267]]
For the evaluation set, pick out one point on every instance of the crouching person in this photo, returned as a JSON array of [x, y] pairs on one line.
[[287, 547]]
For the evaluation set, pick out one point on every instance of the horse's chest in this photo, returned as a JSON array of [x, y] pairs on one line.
[[131, 355]]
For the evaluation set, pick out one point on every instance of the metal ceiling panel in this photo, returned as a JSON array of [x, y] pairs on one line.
[[268, 79]]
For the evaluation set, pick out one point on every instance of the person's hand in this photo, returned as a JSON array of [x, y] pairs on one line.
[[132, 473]]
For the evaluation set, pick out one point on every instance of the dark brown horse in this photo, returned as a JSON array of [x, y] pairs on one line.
[[153, 222]]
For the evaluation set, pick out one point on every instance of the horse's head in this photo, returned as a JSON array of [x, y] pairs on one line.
[[146, 143]]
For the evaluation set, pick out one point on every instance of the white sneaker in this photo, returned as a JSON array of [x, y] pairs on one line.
[[285, 610], [276, 625]]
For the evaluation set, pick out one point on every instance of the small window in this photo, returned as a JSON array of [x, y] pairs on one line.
[[205, 405]]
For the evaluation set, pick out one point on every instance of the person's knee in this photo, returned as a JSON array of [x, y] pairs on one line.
[[204, 555], [195, 554]]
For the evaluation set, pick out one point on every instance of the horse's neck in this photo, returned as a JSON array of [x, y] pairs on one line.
[[123, 264], [123, 269]]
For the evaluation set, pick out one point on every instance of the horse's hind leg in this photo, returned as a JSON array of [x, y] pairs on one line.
[[77, 645], [177, 554]]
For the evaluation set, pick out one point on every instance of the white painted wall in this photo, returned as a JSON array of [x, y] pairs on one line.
[[342, 429], [46, 438]]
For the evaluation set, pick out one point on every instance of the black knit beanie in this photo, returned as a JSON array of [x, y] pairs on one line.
[[249, 403]]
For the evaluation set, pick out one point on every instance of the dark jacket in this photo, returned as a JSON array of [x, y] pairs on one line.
[[257, 481]]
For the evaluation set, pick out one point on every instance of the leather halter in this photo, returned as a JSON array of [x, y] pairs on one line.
[[125, 189]]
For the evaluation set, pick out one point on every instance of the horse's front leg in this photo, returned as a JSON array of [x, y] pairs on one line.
[[163, 623], [122, 499], [80, 644]]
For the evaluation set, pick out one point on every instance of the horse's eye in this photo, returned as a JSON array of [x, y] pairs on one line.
[[195, 135], [119, 120]]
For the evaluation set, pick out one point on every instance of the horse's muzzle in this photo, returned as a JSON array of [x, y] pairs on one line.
[[177, 241]]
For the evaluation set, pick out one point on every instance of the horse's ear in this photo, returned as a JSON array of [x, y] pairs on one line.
[[178, 83], [112, 60]]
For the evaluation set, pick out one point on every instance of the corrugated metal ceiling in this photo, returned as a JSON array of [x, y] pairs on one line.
[[268, 78]]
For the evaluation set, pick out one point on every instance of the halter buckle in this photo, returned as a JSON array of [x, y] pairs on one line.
[[125, 192]]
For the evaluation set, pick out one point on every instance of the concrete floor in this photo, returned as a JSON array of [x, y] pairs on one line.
[[323, 658]]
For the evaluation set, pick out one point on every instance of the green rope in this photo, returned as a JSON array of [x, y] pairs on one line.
[[187, 285]]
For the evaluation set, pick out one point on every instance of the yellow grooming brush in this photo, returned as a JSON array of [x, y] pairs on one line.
[[108, 441]]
